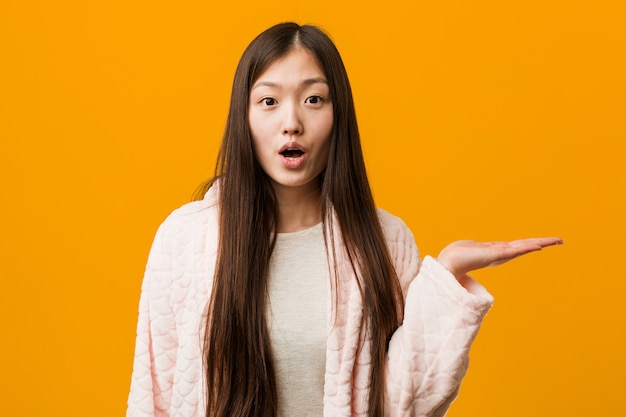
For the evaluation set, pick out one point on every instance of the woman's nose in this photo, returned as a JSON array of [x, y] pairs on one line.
[[292, 122]]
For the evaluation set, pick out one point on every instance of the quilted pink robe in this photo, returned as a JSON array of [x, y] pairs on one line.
[[427, 357]]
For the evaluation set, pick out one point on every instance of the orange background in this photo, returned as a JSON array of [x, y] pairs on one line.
[[480, 119]]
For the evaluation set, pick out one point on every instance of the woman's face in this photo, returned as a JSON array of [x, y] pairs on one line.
[[291, 119]]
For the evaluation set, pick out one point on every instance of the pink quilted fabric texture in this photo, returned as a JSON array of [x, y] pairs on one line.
[[427, 357]]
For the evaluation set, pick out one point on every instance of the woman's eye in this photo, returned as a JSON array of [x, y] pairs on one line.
[[313, 100], [268, 101]]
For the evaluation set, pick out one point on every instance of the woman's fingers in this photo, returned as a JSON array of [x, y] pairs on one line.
[[464, 256], [541, 242]]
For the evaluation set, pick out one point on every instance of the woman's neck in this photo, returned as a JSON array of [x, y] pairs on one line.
[[298, 208]]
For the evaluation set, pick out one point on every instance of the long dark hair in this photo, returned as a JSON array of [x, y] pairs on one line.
[[240, 377]]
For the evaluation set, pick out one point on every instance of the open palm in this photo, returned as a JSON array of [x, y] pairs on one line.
[[463, 256]]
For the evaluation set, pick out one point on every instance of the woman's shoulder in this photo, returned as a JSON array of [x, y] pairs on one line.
[[189, 218], [402, 248], [394, 228]]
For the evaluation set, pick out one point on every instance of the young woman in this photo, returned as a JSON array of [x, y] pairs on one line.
[[284, 291]]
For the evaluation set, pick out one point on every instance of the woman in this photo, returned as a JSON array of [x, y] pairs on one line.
[[284, 291]]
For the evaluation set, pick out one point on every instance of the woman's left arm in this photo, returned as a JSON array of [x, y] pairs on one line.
[[429, 353]]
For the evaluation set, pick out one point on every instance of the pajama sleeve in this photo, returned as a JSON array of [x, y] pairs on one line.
[[428, 354], [156, 343]]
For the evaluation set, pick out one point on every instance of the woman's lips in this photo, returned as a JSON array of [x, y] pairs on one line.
[[292, 154], [292, 157]]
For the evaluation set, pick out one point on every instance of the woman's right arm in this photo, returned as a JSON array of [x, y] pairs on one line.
[[156, 343]]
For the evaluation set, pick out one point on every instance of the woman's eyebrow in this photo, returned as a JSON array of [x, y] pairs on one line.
[[306, 82], [316, 80], [264, 84]]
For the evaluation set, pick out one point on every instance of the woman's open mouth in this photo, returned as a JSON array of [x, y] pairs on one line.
[[292, 153]]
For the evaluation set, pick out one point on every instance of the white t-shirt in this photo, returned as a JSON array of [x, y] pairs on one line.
[[298, 308]]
